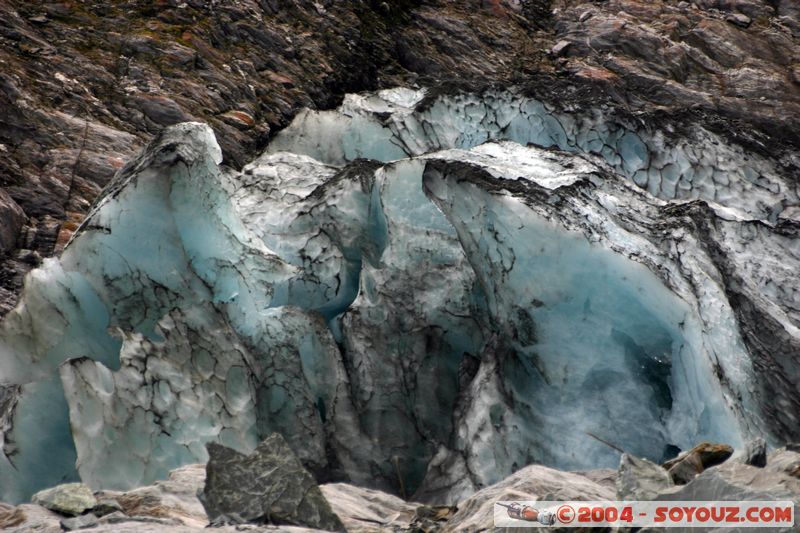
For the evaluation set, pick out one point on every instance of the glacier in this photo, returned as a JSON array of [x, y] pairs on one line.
[[423, 292]]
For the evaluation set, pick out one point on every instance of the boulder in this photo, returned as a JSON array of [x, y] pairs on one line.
[[28, 517], [639, 479], [686, 466], [69, 499], [734, 481], [268, 486], [785, 460], [172, 498], [365, 510], [754, 453], [602, 476], [739, 19], [706, 454], [535, 482]]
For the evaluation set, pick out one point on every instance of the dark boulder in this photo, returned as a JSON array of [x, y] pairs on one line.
[[268, 486]]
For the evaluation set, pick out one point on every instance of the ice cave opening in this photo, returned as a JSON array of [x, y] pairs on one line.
[[466, 301], [596, 343]]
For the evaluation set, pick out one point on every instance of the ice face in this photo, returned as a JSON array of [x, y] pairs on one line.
[[416, 317], [424, 322], [392, 125], [113, 279], [38, 450], [165, 402], [591, 342]]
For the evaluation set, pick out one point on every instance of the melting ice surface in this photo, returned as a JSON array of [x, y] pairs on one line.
[[599, 344], [443, 314]]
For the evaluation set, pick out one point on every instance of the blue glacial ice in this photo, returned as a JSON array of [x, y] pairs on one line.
[[422, 294]]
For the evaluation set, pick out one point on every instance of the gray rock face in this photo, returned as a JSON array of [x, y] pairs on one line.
[[785, 460], [267, 486], [639, 479], [754, 453], [735, 481], [366, 511], [11, 219], [69, 499]]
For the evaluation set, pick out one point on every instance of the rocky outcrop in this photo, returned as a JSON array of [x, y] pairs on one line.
[[639, 479], [69, 499], [172, 505], [700, 58], [687, 465], [174, 498], [363, 510], [269, 486], [11, 220], [753, 454], [736, 481], [785, 460]]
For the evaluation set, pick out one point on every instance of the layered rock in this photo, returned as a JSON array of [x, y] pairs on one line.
[[686, 466], [268, 486], [529, 484], [640, 480]]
